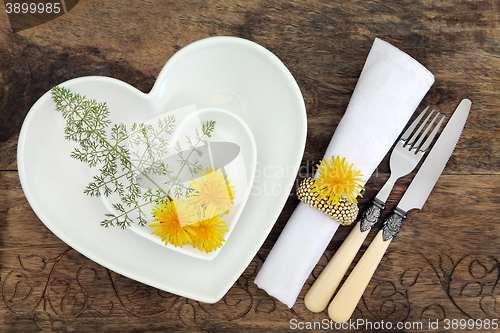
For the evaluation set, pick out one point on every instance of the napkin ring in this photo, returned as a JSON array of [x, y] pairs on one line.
[[346, 212]]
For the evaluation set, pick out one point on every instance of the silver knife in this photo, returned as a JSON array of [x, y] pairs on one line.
[[346, 300], [215, 154]]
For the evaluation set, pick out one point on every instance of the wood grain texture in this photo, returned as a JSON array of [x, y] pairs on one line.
[[445, 262]]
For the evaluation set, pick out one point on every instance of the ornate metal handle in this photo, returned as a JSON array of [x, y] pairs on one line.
[[393, 224], [371, 215]]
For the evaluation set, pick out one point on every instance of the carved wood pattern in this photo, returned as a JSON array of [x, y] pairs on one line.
[[63, 288]]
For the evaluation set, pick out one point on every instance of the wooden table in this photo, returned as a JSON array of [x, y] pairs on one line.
[[444, 264]]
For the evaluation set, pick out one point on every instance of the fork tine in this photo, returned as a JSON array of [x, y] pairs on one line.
[[419, 141], [410, 129], [417, 132], [428, 142]]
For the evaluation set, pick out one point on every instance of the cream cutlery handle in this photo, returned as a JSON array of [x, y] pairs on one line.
[[346, 300], [324, 287]]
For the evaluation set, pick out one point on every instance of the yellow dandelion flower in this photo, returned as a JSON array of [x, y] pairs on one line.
[[336, 179], [212, 192], [207, 234], [173, 222]]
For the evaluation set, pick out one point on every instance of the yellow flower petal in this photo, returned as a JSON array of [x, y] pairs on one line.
[[208, 234], [213, 192], [170, 217], [337, 179]]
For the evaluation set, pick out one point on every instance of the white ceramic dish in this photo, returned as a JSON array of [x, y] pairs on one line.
[[240, 171], [233, 74]]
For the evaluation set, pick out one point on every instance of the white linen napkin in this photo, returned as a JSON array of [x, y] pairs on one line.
[[391, 86]]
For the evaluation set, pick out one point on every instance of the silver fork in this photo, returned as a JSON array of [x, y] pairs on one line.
[[404, 158]]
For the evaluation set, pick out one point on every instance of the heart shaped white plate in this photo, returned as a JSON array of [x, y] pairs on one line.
[[240, 169], [228, 73]]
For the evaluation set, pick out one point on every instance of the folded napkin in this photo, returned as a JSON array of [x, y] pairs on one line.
[[391, 86]]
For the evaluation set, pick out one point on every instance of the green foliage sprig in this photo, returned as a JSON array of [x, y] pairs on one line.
[[124, 155]]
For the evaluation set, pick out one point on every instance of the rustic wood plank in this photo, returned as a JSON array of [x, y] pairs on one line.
[[326, 77], [442, 264]]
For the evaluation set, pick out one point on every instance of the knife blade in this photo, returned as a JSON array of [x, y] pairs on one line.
[[430, 171], [423, 183], [214, 154], [346, 300]]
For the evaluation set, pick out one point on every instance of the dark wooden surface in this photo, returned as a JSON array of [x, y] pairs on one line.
[[444, 264]]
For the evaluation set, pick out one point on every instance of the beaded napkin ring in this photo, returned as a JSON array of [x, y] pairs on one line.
[[346, 212]]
